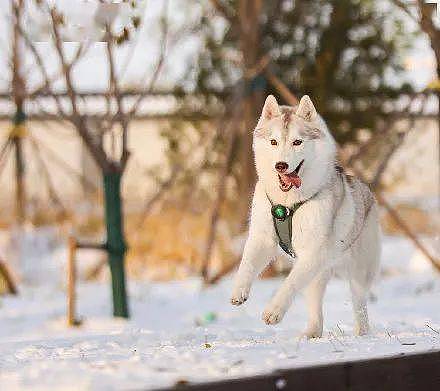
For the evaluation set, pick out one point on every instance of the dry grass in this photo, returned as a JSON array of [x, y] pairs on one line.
[[171, 245], [420, 222], [3, 286]]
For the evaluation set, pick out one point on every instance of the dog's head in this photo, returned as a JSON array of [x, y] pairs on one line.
[[289, 142]]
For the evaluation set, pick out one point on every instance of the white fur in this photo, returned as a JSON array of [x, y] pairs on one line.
[[318, 226]]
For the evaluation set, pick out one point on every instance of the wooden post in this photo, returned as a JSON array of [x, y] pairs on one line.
[[71, 283]]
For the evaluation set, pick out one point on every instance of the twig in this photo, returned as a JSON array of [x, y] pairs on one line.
[[4, 149], [337, 339], [336, 350], [47, 81], [224, 10], [45, 172], [4, 154], [93, 272], [282, 89], [160, 62], [404, 7], [10, 283], [432, 328], [116, 93], [340, 330], [95, 149], [156, 197], [66, 167]]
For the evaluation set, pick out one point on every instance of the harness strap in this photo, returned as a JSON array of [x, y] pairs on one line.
[[282, 221]]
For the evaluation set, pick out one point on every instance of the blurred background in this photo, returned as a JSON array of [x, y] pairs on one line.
[[126, 128], [126, 174]]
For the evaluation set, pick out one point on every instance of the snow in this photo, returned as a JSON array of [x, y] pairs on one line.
[[180, 331]]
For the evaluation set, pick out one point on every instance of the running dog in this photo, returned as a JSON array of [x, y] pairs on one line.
[[307, 209]]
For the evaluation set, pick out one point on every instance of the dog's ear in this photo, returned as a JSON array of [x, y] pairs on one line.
[[270, 108], [306, 109]]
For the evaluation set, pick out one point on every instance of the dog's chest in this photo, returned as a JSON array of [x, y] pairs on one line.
[[300, 230]]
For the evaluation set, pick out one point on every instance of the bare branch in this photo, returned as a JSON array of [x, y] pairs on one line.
[[282, 89], [46, 175], [427, 25], [405, 8], [160, 62], [224, 10], [116, 93], [47, 81], [79, 54], [163, 187], [49, 153], [10, 283], [4, 153], [77, 119]]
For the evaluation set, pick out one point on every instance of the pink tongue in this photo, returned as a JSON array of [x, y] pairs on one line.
[[292, 178]]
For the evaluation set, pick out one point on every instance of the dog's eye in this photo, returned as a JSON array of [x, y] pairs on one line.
[[273, 142], [297, 142]]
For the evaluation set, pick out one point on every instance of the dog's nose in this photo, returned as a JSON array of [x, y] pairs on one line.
[[281, 166]]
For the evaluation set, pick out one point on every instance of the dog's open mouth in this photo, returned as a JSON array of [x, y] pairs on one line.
[[287, 181]]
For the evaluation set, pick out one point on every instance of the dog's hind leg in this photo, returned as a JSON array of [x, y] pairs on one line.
[[364, 267], [360, 311], [314, 294]]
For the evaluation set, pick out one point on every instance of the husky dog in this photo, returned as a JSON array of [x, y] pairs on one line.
[[334, 218]]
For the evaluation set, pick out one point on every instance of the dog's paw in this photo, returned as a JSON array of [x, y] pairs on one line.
[[312, 332], [360, 330], [274, 313], [239, 295]]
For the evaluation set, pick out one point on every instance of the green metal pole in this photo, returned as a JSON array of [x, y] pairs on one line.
[[116, 246]]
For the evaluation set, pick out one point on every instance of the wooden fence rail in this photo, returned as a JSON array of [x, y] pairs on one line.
[[73, 246], [402, 372]]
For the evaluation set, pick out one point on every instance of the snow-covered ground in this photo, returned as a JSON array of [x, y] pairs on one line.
[[180, 331]]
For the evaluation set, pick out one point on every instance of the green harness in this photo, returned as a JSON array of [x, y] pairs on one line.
[[282, 221]]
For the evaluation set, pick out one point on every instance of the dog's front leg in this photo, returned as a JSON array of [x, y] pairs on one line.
[[259, 249], [303, 272], [256, 256]]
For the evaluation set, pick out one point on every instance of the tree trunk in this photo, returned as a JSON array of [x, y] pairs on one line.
[[18, 91], [249, 14], [17, 141], [116, 246]]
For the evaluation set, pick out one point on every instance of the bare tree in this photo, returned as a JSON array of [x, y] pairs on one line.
[[246, 22], [112, 161]]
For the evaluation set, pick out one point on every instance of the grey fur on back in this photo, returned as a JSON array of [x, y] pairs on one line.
[[363, 200]]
